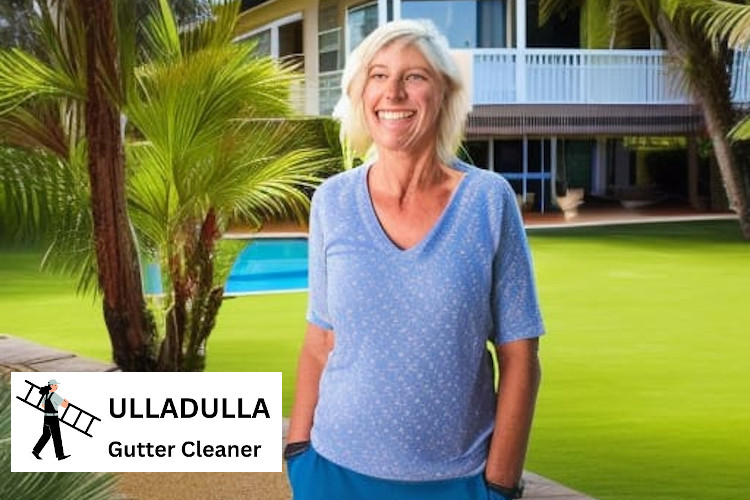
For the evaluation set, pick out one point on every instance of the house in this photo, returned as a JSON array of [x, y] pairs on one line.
[[547, 114]]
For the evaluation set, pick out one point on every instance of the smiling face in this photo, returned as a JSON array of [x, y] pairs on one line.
[[402, 98]]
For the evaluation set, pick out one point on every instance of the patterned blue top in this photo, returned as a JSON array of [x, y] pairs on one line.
[[407, 392]]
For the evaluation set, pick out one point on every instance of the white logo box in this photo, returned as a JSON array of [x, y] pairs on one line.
[[152, 422]]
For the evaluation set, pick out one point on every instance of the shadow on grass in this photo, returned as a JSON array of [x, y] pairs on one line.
[[674, 234]]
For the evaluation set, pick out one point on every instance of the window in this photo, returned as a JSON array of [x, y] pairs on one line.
[[263, 40], [465, 23], [360, 22], [328, 48], [281, 39], [290, 44]]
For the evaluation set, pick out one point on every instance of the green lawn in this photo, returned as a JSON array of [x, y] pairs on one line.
[[645, 389]]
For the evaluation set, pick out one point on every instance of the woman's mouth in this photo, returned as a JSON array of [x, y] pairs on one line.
[[394, 115]]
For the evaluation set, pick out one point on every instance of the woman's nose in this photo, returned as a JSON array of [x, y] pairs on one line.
[[395, 89]]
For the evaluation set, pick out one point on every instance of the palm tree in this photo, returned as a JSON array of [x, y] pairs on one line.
[[724, 23], [206, 155], [130, 326], [74, 94], [204, 148], [703, 69]]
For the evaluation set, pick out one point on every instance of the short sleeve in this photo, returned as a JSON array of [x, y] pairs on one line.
[[56, 399], [317, 302], [515, 306]]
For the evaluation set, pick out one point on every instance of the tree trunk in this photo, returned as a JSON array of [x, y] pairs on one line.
[[131, 327], [206, 299], [195, 301], [734, 183]]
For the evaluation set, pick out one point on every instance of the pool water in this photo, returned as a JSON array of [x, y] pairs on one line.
[[269, 265]]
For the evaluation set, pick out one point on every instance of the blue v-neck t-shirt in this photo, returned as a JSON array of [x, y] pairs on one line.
[[407, 391]]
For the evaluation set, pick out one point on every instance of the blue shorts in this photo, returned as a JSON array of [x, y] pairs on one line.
[[312, 477]]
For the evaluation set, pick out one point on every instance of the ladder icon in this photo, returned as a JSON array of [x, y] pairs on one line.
[[81, 411]]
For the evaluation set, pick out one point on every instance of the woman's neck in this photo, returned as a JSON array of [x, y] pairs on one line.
[[401, 174]]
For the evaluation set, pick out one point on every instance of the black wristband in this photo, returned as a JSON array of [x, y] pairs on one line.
[[296, 448], [510, 493]]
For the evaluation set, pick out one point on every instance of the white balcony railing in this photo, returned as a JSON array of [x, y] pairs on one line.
[[569, 76], [560, 76]]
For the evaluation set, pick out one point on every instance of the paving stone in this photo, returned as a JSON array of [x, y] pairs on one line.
[[15, 351], [541, 488], [73, 364]]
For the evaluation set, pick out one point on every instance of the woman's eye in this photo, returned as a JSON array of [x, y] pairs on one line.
[[377, 76], [415, 77]]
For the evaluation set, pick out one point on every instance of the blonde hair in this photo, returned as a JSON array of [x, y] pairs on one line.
[[422, 35]]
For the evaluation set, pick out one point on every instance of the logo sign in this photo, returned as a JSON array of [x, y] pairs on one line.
[[146, 422]]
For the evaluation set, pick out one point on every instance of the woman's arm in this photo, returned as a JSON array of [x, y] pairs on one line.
[[312, 359], [520, 374]]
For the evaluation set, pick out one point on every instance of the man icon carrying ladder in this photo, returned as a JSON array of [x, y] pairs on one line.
[[48, 404], [51, 424]]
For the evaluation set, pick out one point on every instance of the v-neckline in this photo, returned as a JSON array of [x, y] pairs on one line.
[[379, 232]]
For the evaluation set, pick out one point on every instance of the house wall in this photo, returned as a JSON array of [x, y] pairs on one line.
[[269, 12], [592, 165]]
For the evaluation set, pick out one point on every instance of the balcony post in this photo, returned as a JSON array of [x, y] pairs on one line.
[[552, 170], [692, 174], [520, 50], [599, 177], [382, 12]]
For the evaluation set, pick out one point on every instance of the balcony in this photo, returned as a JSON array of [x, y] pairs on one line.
[[558, 76], [568, 76]]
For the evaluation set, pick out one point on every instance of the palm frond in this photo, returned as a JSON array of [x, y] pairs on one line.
[[276, 190], [216, 85], [255, 159], [126, 29], [152, 198], [61, 29], [45, 198], [721, 20], [161, 34], [550, 8], [741, 131], [214, 32], [23, 77], [35, 126], [227, 251], [628, 22], [31, 185]]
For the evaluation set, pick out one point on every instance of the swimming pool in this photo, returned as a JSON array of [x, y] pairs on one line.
[[269, 265]]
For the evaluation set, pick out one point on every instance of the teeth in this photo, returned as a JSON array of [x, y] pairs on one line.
[[395, 115]]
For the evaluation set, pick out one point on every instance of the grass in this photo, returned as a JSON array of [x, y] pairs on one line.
[[645, 371], [644, 393]]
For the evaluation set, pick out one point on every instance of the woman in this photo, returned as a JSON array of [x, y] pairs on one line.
[[51, 425], [416, 261]]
